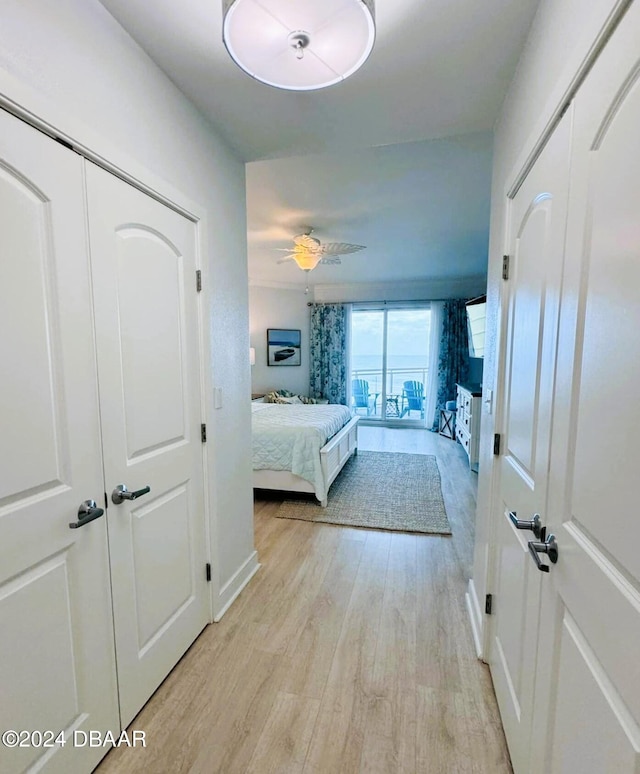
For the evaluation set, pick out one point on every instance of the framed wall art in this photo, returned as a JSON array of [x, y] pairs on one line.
[[283, 347]]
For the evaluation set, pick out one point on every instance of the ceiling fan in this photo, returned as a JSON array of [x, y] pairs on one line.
[[308, 252]]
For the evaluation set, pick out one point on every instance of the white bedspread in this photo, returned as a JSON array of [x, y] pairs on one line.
[[290, 436]]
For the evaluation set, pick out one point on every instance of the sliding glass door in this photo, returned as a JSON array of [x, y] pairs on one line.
[[390, 362]]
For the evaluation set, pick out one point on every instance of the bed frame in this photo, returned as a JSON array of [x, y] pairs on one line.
[[333, 456]]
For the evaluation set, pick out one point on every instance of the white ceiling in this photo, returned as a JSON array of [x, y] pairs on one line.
[[439, 69], [422, 210]]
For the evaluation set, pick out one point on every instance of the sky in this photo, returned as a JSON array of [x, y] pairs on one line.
[[408, 332]]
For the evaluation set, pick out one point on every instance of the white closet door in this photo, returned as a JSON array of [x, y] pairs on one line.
[[588, 670], [537, 228], [143, 263], [57, 664]]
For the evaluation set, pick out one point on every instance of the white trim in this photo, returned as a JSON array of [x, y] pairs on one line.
[[232, 588], [418, 289], [560, 99], [494, 506], [475, 617], [380, 306], [44, 114], [421, 289], [206, 390], [258, 283]]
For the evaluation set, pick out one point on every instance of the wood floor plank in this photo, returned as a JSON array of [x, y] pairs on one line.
[[441, 742], [395, 660], [390, 728], [288, 612], [349, 651], [340, 729], [438, 664], [390, 734], [178, 720], [280, 562], [311, 654], [228, 743], [283, 744]]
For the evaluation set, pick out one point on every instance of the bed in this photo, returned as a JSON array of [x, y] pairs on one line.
[[301, 448]]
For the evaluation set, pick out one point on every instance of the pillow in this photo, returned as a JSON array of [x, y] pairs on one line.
[[304, 399], [272, 397], [284, 396], [286, 399]]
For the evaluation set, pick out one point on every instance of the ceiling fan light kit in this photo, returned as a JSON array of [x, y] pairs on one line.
[[307, 261], [299, 45], [308, 252]]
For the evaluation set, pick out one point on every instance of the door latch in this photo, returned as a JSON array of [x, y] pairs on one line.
[[549, 547], [535, 525], [88, 511], [121, 493]]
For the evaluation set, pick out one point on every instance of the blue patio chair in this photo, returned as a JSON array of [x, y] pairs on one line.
[[413, 398], [361, 396]]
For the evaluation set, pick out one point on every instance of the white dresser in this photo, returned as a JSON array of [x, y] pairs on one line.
[[469, 401]]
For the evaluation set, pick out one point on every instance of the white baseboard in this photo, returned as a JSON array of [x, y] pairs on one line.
[[234, 586], [475, 616]]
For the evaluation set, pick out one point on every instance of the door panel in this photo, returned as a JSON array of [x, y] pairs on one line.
[[36, 397], [57, 662], [150, 337], [602, 466], [595, 587], [519, 600], [158, 597], [527, 308], [537, 225], [587, 701], [591, 582], [143, 262]]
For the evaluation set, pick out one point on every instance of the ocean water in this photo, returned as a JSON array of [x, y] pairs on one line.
[[360, 362]]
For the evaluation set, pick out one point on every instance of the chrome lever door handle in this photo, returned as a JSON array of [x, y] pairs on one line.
[[88, 511], [121, 493], [535, 525], [549, 547]]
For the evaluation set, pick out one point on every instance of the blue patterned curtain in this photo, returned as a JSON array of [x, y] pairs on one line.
[[453, 362], [328, 377]]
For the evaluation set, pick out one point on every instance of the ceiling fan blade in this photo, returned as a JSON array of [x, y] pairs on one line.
[[307, 242], [331, 260], [284, 260], [340, 248]]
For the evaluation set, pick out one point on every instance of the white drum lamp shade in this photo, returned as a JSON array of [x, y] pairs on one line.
[[299, 45]]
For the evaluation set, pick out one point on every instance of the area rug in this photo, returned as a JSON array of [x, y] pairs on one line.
[[381, 490]]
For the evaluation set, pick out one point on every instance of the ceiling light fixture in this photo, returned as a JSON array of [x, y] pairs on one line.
[[307, 261], [308, 252], [302, 45]]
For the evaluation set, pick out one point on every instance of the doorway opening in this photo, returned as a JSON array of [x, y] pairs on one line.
[[389, 362]]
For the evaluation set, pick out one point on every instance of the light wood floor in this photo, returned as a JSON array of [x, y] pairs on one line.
[[349, 651]]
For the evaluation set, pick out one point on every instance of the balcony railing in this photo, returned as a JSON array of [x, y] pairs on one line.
[[393, 407]]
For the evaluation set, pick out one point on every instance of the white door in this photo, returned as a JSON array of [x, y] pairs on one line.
[[57, 664], [537, 229], [588, 676], [143, 265]]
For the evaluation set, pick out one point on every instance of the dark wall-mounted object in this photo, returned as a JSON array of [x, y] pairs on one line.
[[283, 347]]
